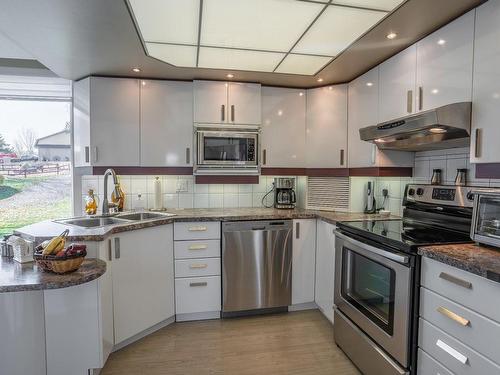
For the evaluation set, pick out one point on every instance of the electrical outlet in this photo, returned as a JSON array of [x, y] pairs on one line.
[[182, 186]]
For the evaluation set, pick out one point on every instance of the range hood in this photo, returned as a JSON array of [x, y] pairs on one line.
[[444, 127]]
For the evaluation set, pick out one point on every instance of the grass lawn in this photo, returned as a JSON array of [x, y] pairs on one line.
[[13, 186]]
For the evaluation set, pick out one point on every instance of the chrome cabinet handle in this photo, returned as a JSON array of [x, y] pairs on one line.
[[420, 98], [198, 266], [197, 229], [117, 248], [342, 157], [409, 100], [455, 280], [477, 144], [264, 156], [223, 112], [198, 284], [374, 154], [96, 154], [87, 154], [232, 112], [297, 230], [110, 254], [188, 155], [453, 352], [451, 315], [197, 247]]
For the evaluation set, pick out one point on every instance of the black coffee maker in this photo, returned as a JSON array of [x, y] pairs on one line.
[[284, 193]]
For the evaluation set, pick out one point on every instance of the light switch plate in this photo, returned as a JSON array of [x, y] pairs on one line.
[[182, 186]]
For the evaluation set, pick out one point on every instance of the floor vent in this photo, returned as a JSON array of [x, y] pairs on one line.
[[328, 193]]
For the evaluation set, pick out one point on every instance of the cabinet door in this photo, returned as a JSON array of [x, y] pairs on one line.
[[303, 261], [81, 123], [486, 92], [143, 280], [210, 102], [105, 290], [244, 103], [283, 128], [397, 85], [325, 268], [444, 64], [326, 132], [363, 102], [114, 121], [166, 123]]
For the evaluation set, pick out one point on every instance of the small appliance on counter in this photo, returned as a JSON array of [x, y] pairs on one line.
[[371, 204], [485, 226], [436, 177], [284, 193]]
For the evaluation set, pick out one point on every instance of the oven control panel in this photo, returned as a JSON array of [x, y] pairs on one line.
[[458, 196]]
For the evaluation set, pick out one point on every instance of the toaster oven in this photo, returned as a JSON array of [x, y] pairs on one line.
[[485, 226]]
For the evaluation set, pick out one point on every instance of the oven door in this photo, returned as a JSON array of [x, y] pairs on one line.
[[373, 289], [227, 148]]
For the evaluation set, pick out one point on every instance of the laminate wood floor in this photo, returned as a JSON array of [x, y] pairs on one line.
[[294, 343]]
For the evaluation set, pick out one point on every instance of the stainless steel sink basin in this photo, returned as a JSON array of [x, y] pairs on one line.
[[143, 216], [93, 222]]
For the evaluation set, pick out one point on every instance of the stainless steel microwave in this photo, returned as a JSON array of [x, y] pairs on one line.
[[227, 150], [485, 226]]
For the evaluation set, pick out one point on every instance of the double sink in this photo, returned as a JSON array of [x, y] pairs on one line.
[[102, 221]]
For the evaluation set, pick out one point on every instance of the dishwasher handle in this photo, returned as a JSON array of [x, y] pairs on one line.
[[259, 228]]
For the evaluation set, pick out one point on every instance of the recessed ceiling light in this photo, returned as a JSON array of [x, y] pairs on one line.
[[434, 91], [441, 42], [437, 130], [369, 84], [136, 70], [391, 36], [230, 75], [143, 83], [280, 112], [320, 80], [301, 94]]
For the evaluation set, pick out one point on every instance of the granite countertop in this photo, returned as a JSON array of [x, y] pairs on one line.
[[47, 229], [17, 277], [478, 259]]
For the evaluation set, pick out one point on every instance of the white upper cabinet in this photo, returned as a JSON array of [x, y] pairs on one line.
[[444, 65], [326, 127], [166, 123], [227, 103], [81, 123], [283, 127], [397, 85], [363, 99], [486, 92]]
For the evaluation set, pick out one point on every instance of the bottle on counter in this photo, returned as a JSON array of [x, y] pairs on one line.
[[91, 203], [120, 200]]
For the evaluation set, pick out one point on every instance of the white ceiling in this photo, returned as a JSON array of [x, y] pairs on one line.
[[282, 36], [10, 50]]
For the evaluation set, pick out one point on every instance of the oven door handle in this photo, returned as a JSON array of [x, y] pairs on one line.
[[404, 259]]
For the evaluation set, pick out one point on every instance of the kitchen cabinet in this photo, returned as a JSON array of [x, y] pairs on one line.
[[326, 127], [444, 65], [363, 108], [143, 280], [397, 85], [283, 137], [166, 123], [486, 92], [106, 122], [303, 261], [227, 103], [325, 268]]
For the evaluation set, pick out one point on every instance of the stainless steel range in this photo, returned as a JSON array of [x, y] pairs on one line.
[[377, 276]]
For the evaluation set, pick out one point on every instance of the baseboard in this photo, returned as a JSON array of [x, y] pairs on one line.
[[197, 316], [144, 333], [303, 306]]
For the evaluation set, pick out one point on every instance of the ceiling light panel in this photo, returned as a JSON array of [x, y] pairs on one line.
[[222, 58], [302, 64], [173, 54], [336, 29], [387, 5], [271, 25], [167, 21]]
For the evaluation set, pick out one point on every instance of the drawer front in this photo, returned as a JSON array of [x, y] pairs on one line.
[[429, 366], [472, 291], [197, 249], [199, 230], [480, 333], [197, 294], [197, 267], [455, 356]]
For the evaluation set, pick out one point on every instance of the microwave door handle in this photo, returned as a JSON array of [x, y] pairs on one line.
[[294, 197]]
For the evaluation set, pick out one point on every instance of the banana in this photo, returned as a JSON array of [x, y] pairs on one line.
[[56, 244]]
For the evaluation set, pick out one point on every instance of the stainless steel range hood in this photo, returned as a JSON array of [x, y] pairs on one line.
[[444, 127]]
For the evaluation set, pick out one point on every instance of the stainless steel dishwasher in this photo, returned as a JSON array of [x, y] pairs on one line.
[[256, 266]]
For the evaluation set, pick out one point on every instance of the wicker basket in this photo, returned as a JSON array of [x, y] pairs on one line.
[[51, 263]]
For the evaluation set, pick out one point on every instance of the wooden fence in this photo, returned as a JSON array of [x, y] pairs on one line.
[[37, 168]]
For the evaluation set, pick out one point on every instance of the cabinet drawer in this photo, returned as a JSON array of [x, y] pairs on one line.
[[472, 291], [197, 294], [197, 267], [197, 249], [455, 356], [199, 230], [480, 333], [429, 366]]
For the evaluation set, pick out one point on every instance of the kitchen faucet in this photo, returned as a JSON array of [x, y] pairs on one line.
[[106, 205]]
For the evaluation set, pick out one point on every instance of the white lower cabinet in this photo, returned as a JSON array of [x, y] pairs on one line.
[[197, 294], [143, 280], [325, 268], [303, 261]]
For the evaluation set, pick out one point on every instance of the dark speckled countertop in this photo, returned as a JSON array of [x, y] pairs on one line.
[[478, 259], [17, 277]]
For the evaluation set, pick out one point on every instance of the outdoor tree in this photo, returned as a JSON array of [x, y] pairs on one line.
[[4, 146], [25, 142]]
